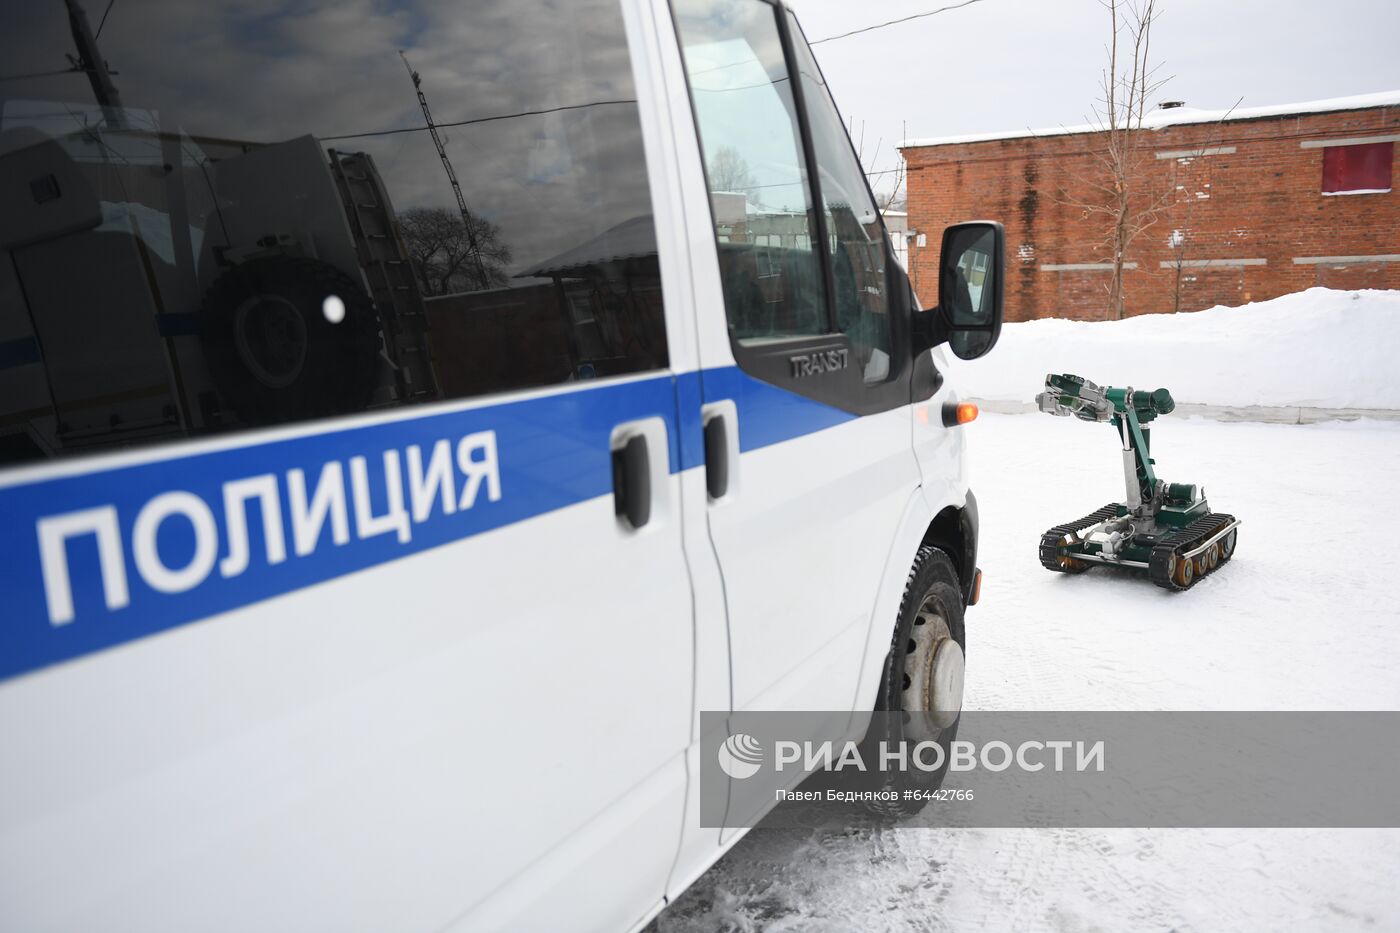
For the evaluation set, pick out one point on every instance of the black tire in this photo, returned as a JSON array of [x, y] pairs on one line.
[[931, 595], [274, 354]]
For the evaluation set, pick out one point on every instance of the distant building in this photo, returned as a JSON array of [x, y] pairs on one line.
[[1255, 204], [897, 225]]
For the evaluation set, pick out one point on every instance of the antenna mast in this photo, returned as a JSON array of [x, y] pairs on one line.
[[447, 167]]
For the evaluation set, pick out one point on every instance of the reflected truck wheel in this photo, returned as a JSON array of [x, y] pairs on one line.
[[288, 338]]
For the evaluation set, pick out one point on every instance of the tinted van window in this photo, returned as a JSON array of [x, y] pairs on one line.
[[245, 218]]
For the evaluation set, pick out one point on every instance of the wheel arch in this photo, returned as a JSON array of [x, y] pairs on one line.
[[954, 531], [952, 528]]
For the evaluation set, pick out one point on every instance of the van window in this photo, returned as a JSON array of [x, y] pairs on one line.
[[760, 193], [852, 221], [248, 220]]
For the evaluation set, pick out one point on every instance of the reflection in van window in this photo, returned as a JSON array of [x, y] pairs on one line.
[[244, 219], [852, 221], [761, 197]]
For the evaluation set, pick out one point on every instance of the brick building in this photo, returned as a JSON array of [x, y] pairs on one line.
[[1253, 204]]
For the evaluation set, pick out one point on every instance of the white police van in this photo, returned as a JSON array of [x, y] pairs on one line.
[[385, 490]]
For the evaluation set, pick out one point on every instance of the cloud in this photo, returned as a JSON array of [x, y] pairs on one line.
[[272, 70]]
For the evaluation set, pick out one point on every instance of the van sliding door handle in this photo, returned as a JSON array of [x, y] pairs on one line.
[[716, 456], [631, 466]]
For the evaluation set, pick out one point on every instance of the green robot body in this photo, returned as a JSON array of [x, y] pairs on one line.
[[1164, 528]]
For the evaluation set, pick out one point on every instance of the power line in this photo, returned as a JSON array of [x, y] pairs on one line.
[[103, 22], [894, 22], [491, 119]]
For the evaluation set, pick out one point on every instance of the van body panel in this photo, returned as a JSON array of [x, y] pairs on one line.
[[383, 650]]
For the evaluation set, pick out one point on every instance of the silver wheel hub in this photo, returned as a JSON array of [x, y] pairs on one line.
[[933, 675], [947, 683]]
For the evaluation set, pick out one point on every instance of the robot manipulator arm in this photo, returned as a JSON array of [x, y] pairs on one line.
[[1067, 394]]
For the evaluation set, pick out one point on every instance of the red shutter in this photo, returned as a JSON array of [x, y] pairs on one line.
[[1357, 168]]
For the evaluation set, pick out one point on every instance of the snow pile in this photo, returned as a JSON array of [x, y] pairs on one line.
[[1319, 348]]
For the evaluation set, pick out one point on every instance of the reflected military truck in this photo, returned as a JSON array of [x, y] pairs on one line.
[[162, 284]]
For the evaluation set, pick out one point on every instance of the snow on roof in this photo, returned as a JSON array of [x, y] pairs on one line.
[[1175, 116]]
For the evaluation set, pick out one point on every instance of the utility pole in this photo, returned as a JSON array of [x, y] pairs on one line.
[[90, 61], [447, 167]]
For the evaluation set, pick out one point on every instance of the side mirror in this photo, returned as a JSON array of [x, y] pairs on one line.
[[970, 272]]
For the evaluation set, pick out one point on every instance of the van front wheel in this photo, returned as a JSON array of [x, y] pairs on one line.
[[922, 684]]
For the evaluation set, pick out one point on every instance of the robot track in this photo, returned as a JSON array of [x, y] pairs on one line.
[[1052, 558], [1170, 569]]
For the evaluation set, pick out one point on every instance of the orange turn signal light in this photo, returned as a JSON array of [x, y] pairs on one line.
[[976, 589], [961, 413]]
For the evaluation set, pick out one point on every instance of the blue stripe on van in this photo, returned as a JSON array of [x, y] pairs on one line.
[[767, 414], [553, 452], [19, 352]]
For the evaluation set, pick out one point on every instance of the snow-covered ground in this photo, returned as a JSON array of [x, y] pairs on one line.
[[1319, 348], [1304, 617]]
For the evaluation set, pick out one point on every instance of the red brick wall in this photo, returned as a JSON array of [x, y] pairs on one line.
[[1263, 201]]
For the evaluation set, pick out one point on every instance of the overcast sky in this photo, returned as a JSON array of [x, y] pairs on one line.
[[1012, 64]]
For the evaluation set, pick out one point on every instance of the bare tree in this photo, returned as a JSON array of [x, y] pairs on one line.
[[729, 172], [891, 198], [1189, 185], [1121, 193], [441, 250]]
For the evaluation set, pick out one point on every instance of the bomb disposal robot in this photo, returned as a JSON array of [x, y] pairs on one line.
[[1164, 528]]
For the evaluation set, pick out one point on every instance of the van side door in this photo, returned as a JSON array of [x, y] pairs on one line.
[[804, 349]]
